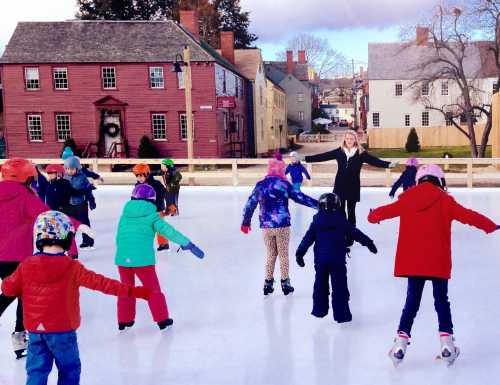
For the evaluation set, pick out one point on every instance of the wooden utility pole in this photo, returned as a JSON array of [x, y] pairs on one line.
[[189, 104]]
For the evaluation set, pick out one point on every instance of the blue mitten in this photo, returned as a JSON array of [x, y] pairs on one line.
[[194, 249]]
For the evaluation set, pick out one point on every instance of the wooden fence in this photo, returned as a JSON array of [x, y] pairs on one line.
[[236, 172]]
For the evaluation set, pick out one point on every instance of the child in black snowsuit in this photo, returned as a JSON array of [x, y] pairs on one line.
[[328, 232], [59, 190], [407, 178]]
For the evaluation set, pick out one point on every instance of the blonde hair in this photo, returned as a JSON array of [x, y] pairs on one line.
[[356, 143]]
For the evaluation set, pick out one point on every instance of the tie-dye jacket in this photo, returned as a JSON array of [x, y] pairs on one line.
[[272, 194]]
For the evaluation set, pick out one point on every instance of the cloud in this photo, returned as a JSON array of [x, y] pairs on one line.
[[274, 20]]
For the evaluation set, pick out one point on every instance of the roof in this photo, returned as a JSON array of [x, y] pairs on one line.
[[248, 61], [300, 71], [277, 75], [328, 84], [400, 61], [276, 85], [98, 41]]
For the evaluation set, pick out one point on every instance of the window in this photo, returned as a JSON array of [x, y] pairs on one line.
[[425, 118], [407, 120], [32, 78], [61, 78], [35, 128], [156, 79], [108, 77], [184, 126], [425, 89], [449, 120], [301, 115], [376, 119], [300, 97], [237, 87], [444, 88], [398, 89], [159, 126], [63, 127], [495, 87], [180, 80]]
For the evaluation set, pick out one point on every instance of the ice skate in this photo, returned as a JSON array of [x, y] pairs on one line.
[[20, 343], [286, 287], [398, 351], [268, 286], [163, 247], [125, 325], [449, 352], [85, 247], [165, 323]]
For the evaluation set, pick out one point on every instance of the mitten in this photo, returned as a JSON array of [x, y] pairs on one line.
[[84, 229], [371, 246], [140, 292], [245, 229], [194, 249], [300, 260], [92, 204], [393, 164]]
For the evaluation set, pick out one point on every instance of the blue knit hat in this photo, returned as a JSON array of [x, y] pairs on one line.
[[72, 162], [67, 153]]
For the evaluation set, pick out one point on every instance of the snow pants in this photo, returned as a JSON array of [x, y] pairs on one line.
[[157, 302], [81, 213], [336, 273], [413, 298]]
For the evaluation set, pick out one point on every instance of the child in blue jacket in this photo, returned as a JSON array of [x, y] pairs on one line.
[[328, 232], [407, 178], [296, 170]]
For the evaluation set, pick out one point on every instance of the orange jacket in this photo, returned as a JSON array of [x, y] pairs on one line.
[[49, 287]]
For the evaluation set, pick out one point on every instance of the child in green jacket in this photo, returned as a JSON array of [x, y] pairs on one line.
[[135, 254]]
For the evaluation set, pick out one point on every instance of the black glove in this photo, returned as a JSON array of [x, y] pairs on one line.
[[300, 260], [371, 246], [92, 205]]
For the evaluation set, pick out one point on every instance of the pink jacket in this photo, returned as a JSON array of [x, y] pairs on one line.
[[19, 208]]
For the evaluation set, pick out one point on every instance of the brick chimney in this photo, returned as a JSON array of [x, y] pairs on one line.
[[422, 35], [361, 72], [302, 57], [189, 20], [289, 62], [227, 45]]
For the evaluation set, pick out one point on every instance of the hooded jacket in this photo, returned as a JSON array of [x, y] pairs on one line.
[[19, 208], [49, 287], [424, 245], [136, 231], [272, 194], [328, 232]]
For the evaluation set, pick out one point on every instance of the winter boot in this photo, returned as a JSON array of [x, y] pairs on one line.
[[124, 325], [286, 287], [166, 246], [20, 343], [449, 352], [165, 323], [398, 351], [268, 286]]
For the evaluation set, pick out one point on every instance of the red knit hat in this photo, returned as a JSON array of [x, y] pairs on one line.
[[277, 168]]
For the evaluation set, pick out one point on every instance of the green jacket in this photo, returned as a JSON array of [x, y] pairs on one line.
[[137, 228], [173, 181]]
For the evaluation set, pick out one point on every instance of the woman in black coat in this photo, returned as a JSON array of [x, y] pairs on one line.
[[350, 158]]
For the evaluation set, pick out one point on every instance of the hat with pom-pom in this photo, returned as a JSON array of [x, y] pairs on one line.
[[68, 152]]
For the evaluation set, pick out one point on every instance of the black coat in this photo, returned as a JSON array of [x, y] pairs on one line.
[[58, 194], [347, 181], [159, 190]]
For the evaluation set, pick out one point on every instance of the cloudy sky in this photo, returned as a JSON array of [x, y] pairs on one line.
[[348, 24]]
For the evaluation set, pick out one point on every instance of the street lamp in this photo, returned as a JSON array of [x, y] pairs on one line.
[[184, 65]]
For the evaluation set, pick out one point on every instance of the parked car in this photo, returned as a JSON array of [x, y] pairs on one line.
[[343, 123]]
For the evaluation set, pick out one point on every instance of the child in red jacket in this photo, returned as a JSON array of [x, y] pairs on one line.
[[48, 283], [427, 210]]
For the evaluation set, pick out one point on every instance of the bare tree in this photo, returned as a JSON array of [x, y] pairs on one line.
[[449, 58], [326, 61], [488, 17]]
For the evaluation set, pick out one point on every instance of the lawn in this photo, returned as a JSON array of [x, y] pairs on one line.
[[429, 152]]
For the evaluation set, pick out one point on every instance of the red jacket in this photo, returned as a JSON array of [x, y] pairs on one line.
[[49, 287], [424, 244]]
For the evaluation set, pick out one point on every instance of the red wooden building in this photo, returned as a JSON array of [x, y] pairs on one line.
[[106, 84]]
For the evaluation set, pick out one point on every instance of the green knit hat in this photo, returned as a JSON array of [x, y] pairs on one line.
[[167, 162]]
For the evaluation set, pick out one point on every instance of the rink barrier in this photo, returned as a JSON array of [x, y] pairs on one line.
[[235, 170]]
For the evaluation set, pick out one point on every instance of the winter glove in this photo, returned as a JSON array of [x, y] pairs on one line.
[[390, 195], [300, 260], [245, 229], [371, 246], [92, 204], [140, 292], [84, 229], [171, 210], [393, 164], [194, 249], [498, 227]]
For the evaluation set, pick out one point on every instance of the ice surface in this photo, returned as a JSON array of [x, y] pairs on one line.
[[227, 332]]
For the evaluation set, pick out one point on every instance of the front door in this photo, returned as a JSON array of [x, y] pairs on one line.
[[112, 132]]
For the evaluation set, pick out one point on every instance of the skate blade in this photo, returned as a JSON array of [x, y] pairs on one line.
[[20, 354], [449, 361], [87, 248], [395, 361]]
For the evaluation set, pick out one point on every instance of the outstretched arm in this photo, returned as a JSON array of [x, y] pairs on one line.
[[472, 218], [323, 157], [302, 198], [91, 280], [307, 241], [13, 284], [304, 171], [396, 185], [374, 161], [253, 201], [385, 212], [169, 232]]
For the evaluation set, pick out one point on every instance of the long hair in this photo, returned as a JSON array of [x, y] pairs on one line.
[[356, 143]]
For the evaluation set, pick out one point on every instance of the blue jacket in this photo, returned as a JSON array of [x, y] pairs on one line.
[[82, 189], [407, 179], [272, 194], [328, 232], [90, 174], [296, 170], [58, 194]]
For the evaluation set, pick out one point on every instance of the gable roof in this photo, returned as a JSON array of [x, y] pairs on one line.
[[248, 61], [400, 61], [300, 70], [104, 41]]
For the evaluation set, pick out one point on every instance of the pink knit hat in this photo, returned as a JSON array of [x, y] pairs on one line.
[[277, 168], [412, 162]]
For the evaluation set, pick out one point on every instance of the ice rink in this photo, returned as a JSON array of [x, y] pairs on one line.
[[227, 333]]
